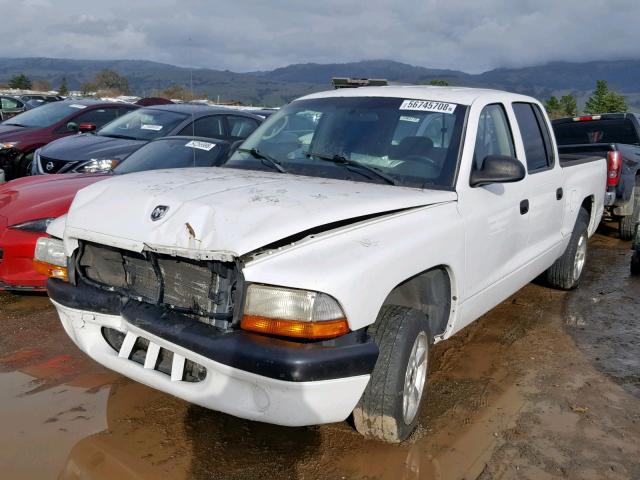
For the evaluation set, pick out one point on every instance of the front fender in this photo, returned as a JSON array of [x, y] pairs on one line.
[[360, 265]]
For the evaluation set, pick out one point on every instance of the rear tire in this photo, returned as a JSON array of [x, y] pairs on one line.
[[390, 405], [628, 224], [566, 272]]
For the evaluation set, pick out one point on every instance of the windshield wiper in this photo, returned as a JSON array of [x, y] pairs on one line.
[[16, 125], [266, 159], [347, 162], [115, 135]]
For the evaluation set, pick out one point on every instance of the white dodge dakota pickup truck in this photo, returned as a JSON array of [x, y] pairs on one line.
[[306, 279]]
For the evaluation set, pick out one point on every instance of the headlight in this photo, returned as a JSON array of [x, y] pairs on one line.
[[49, 258], [7, 145], [97, 165], [39, 225], [292, 313]]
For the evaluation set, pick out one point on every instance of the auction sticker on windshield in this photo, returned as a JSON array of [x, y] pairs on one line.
[[428, 106], [155, 128], [75, 105], [200, 145]]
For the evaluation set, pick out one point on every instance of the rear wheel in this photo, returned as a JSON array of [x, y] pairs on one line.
[[389, 407], [566, 272], [628, 223]]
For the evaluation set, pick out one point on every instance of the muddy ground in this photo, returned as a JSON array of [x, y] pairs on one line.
[[547, 385]]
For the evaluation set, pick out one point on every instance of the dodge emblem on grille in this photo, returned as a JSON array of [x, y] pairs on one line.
[[159, 212], [49, 166]]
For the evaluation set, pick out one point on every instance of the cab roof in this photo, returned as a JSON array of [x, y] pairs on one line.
[[459, 95]]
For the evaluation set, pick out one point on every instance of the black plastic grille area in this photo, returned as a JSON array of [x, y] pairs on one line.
[[193, 372], [199, 289], [50, 165]]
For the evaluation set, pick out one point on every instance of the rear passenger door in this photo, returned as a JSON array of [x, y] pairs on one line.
[[544, 182]]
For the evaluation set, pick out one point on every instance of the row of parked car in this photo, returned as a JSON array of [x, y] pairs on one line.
[[81, 137], [305, 278], [12, 105]]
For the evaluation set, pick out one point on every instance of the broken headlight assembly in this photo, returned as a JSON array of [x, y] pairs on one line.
[[50, 259], [289, 312]]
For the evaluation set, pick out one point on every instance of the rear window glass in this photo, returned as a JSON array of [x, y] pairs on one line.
[[619, 130]]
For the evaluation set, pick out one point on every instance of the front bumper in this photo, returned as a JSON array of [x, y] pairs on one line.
[[248, 375], [16, 260]]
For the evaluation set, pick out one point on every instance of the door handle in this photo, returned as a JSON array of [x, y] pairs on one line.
[[559, 193], [524, 207]]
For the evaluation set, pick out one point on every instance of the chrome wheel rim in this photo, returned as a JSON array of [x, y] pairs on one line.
[[414, 378], [580, 258]]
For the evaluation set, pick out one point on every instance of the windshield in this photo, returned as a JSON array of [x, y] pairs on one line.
[[413, 143], [143, 124], [173, 153], [45, 115], [619, 130]]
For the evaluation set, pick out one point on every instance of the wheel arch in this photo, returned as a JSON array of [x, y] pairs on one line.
[[589, 205], [431, 292]]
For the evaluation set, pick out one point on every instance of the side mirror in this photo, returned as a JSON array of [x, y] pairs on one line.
[[72, 127], [498, 169], [86, 127]]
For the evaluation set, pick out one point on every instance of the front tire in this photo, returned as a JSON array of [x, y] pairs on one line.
[[566, 272], [389, 407]]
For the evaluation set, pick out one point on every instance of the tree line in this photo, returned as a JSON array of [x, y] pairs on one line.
[[602, 100]]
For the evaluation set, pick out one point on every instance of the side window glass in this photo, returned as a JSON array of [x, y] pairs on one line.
[[9, 103], [211, 127], [494, 135], [241, 127], [537, 145], [99, 116]]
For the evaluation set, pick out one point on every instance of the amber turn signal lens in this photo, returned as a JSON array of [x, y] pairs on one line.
[[295, 329], [51, 271]]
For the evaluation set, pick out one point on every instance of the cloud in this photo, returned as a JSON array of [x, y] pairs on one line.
[[256, 34]]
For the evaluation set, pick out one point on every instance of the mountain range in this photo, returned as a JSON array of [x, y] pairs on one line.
[[278, 86]]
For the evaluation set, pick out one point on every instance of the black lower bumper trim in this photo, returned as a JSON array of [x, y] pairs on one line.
[[346, 356]]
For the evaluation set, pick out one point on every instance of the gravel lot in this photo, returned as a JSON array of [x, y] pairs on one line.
[[547, 385]]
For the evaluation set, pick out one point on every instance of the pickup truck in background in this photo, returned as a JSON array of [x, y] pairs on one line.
[[307, 278], [615, 136]]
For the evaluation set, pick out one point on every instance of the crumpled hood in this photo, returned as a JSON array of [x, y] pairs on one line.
[[87, 146], [41, 196], [228, 211]]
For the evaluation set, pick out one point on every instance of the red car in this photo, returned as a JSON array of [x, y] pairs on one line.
[[28, 205], [21, 135]]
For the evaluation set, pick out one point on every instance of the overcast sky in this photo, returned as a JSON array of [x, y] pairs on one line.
[[245, 35]]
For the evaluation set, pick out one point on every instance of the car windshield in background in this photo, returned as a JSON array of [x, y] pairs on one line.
[[619, 130], [143, 124], [408, 142], [172, 153], [45, 115]]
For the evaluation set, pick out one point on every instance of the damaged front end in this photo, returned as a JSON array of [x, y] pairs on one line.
[[204, 290]]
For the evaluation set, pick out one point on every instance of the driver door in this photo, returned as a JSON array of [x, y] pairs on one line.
[[496, 228]]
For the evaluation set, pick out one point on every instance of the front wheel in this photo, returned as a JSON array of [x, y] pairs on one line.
[[566, 272], [389, 407]]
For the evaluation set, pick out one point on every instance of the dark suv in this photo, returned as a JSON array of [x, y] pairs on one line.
[[102, 151], [22, 135]]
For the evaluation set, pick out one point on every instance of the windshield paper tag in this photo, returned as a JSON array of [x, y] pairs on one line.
[[404, 118], [428, 106], [155, 128], [75, 105], [200, 145]]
